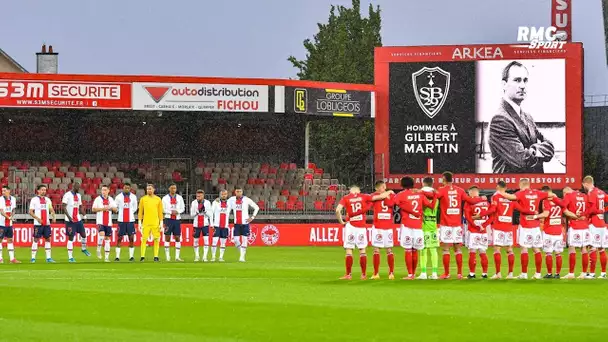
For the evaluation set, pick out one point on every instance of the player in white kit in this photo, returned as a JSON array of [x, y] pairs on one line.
[[200, 211], [240, 205]]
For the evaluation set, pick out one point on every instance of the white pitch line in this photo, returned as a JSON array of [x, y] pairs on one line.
[[156, 278]]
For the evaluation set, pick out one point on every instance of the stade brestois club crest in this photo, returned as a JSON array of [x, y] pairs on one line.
[[431, 87]]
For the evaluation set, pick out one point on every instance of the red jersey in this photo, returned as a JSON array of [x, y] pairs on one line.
[[596, 198], [471, 210], [356, 205], [577, 203], [530, 199], [450, 203], [410, 203], [553, 223], [383, 212]]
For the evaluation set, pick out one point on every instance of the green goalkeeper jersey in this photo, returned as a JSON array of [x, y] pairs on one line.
[[429, 218]]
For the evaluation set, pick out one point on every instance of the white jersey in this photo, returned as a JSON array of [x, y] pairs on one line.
[[73, 201], [104, 218], [8, 206], [173, 203], [201, 213], [127, 206], [240, 208], [42, 209], [221, 214]]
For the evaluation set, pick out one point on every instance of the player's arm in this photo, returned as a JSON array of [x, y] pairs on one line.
[[339, 208], [255, 207], [113, 206], [208, 210], [193, 209], [140, 212], [166, 207], [64, 206], [592, 208], [427, 203], [470, 200], [98, 205], [181, 206], [510, 197], [491, 210], [2, 211], [468, 214], [522, 209], [134, 204], [381, 196], [52, 211], [159, 209]]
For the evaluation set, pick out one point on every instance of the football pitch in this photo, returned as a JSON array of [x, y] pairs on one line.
[[283, 294]]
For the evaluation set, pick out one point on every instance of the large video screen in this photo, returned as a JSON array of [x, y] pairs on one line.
[[485, 113]]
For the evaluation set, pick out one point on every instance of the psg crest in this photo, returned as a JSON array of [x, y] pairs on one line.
[[431, 87]]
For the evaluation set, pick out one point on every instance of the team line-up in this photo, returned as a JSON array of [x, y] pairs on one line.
[[155, 217], [577, 219]]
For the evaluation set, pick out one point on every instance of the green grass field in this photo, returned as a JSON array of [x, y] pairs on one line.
[[282, 294]]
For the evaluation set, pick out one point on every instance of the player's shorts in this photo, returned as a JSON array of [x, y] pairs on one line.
[[241, 230], [173, 227], [6, 232], [451, 234], [529, 237], [579, 237], [477, 241], [382, 238], [126, 228], [106, 230], [221, 233], [73, 228], [553, 243], [150, 229], [411, 238], [198, 231], [501, 238], [431, 239], [599, 238], [354, 237], [42, 232]]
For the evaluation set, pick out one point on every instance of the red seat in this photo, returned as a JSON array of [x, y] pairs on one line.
[[312, 166], [331, 199], [251, 181], [292, 198], [59, 174], [303, 192], [299, 205], [280, 205], [221, 181], [273, 170], [262, 205], [46, 180], [291, 205], [86, 163], [333, 187], [293, 166], [285, 192], [116, 180], [329, 205], [97, 180], [79, 174], [319, 205], [319, 171], [207, 176], [260, 181], [284, 166]]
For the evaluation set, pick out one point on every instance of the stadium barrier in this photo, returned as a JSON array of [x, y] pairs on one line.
[[262, 234]]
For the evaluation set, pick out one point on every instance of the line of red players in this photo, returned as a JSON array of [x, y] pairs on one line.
[[488, 223]]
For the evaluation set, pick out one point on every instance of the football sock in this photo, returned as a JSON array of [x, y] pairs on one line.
[[167, 250], [131, 252], [472, 262], [592, 261], [349, 264], [524, 262], [83, 243], [538, 261], [391, 262], [11, 251], [603, 260], [1, 249], [572, 262], [34, 249], [511, 261], [178, 249], [558, 263], [196, 249], [117, 250], [497, 260], [99, 242], [459, 261], [222, 250], [434, 260], [47, 249], [70, 249], [107, 249], [408, 261], [376, 262], [414, 261], [363, 263], [585, 256], [549, 262], [142, 248], [423, 262], [484, 262], [446, 262], [244, 248], [156, 246]]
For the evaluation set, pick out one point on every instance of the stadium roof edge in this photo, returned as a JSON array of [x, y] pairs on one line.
[[186, 79], [13, 61]]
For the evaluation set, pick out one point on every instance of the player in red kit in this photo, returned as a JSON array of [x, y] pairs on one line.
[[355, 234], [579, 236], [411, 203], [529, 234], [501, 211], [450, 221], [553, 235], [597, 227], [477, 237], [382, 231]]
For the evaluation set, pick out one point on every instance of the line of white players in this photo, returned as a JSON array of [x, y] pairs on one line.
[[206, 216]]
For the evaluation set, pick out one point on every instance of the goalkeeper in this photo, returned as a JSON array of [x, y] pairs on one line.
[[429, 227], [150, 218]]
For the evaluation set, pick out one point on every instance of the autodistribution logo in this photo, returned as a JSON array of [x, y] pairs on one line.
[[157, 93]]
